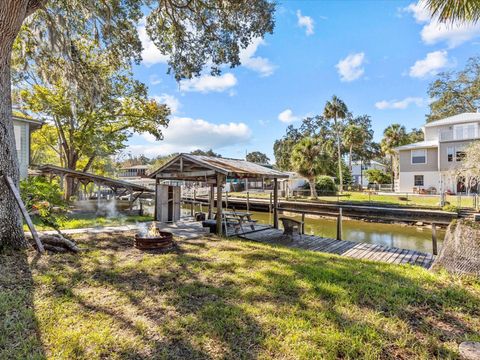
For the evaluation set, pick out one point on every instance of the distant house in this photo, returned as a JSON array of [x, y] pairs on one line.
[[23, 128], [294, 182], [136, 174], [359, 168], [427, 166], [136, 171]]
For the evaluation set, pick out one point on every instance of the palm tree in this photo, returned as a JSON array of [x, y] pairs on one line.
[[336, 109], [393, 136], [354, 136], [309, 160], [462, 11]]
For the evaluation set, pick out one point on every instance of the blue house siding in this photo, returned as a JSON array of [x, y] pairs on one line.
[[22, 128], [22, 144]]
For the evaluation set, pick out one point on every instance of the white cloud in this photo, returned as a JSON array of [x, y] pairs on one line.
[[185, 134], [399, 104], [209, 83], [419, 12], [171, 101], [351, 67], [150, 53], [306, 22], [431, 65], [434, 32], [256, 63], [453, 35], [287, 116]]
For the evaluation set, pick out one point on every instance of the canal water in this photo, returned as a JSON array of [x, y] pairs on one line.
[[393, 235]]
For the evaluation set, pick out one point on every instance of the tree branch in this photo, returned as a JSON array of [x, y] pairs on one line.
[[34, 5]]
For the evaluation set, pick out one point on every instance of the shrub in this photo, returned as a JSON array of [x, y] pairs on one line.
[[451, 208], [44, 199], [375, 176], [325, 185]]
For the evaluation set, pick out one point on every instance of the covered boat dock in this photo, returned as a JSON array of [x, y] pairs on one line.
[[215, 172]]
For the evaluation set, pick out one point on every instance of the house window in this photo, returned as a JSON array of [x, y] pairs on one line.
[[465, 131], [418, 180], [459, 155], [450, 152], [419, 156]]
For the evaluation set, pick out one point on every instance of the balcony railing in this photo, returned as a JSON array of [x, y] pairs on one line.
[[459, 135]]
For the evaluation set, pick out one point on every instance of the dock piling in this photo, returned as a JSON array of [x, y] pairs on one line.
[[339, 224], [248, 201], [303, 223], [434, 240]]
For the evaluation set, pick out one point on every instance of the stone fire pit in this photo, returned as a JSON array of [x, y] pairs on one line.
[[154, 239]]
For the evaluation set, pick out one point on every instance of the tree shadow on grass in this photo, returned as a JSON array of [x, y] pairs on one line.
[[179, 313], [19, 330], [435, 311], [198, 301]]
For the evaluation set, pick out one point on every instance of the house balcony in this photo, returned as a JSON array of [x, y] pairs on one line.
[[465, 134]]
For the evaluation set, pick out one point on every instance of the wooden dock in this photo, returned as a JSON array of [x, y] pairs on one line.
[[341, 247]]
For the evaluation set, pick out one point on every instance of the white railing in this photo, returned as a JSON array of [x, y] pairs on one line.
[[459, 134]]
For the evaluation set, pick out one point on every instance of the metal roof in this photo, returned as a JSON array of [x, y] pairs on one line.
[[199, 167], [136, 167], [418, 145], [456, 119], [86, 177]]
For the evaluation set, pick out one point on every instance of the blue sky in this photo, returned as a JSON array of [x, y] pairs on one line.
[[378, 56]]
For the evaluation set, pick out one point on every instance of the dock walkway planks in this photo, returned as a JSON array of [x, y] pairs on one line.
[[342, 247]]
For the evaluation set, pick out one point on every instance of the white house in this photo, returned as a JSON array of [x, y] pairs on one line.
[[429, 164], [23, 128], [359, 168]]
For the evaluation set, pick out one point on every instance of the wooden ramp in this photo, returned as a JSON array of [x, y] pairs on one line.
[[342, 247]]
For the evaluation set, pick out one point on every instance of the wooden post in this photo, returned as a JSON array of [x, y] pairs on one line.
[[275, 203], [155, 210], [303, 223], [339, 224], [270, 204], [211, 201], [434, 240], [248, 201], [219, 204], [23, 209]]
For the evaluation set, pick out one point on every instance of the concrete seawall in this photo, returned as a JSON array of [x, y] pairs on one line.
[[371, 212]]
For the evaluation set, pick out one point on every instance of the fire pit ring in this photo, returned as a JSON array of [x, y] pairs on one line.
[[162, 240]]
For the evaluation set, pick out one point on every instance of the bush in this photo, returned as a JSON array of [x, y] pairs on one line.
[[44, 199], [375, 176], [325, 185], [451, 208]]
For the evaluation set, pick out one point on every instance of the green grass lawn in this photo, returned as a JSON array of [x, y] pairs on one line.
[[216, 298], [364, 198], [79, 221]]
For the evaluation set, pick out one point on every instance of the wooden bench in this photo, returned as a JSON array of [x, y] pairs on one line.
[[291, 226]]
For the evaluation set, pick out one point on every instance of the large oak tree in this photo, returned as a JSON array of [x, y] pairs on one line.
[[191, 33]]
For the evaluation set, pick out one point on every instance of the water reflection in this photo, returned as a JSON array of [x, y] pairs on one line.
[[393, 235]]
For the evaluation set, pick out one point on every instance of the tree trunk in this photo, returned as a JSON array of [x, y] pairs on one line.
[[12, 14], [350, 158], [313, 190], [339, 154], [393, 172], [71, 188]]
